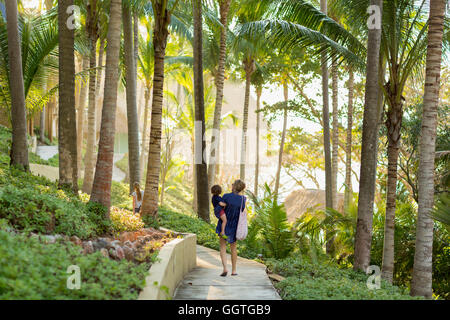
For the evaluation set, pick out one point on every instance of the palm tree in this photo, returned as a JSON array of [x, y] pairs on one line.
[[145, 62], [19, 148], [81, 114], [101, 190], [283, 137], [363, 236], [162, 15], [200, 144], [404, 54], [422, 271], [132, 116], [68, 170], [224, 6], [335, 131], [348, 145], [90, 156], [326, 123]]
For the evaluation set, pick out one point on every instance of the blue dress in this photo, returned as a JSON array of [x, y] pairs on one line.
[[232, 211]]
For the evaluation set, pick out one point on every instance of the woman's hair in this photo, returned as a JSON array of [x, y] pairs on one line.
[[238, 186], [137, 188], [216, 190]]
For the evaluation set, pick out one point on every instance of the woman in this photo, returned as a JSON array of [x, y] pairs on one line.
[[235, 203], [138, 196]]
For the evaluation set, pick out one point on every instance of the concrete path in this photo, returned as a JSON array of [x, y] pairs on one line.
[[205, 283], [52, 173], [46, 152]]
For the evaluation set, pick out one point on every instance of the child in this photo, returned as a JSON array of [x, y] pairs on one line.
[[138, 195], [218, 205]]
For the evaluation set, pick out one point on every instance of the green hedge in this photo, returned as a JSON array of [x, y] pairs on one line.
[[326, 281], [33, 270]]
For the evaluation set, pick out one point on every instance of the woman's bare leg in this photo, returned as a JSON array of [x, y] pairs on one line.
[[223, 253], [233, 257]]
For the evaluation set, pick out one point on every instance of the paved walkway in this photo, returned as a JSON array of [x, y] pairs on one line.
[[46, 152], [52, 173], [205, 283]]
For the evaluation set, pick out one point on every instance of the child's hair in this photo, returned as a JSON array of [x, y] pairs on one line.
[[216, 190], [137, 188], [238, 186]]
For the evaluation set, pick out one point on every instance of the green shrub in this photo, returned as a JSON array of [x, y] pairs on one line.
[[206, 233], [31, 210], [326, 281], [33, 270]]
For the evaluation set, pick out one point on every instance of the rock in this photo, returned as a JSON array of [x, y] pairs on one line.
[[49, 239], [120, 253], [100, 244], [129, 253], [88, 247], [76, 240], [115, 243], [128, 244], [104, 252]]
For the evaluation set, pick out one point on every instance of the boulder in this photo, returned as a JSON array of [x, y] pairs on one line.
[[104, 252], [88, 247], [76, 240]]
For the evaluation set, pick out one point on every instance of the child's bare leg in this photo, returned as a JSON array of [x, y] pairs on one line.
[[224, 223]]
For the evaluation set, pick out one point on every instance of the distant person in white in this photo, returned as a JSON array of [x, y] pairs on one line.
[[138, 196]]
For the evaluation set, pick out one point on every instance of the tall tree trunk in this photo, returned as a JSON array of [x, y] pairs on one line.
[[363, 237], [19, 148], [283, 138], [81, 116], [68, 170], [326, 123], [348, 146], [144, 148], [421, 283], [42, 125], [90, 157], [249, 65], [335, 138], [101, 190], [132, 116], [258, 120], [98, 92], [136, 42], [219, 82], [160, 34], [200, 124], [393, 125]]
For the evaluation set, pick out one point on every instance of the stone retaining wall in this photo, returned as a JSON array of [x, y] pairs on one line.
[[176, 259]]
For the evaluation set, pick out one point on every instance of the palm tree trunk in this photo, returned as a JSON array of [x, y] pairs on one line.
[[249, 69], [200, 124], [98, 92], [393, 125], [421, 283], [283, 138], [101, 189], [144, 148], [162, 19], [68, 171], [19, 148], [258, 120], [348, 147], [326, 123], [219, 82], [90, 155], [136, 42], [132, 116], [335, 142], [80, 120], [363, 237]]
